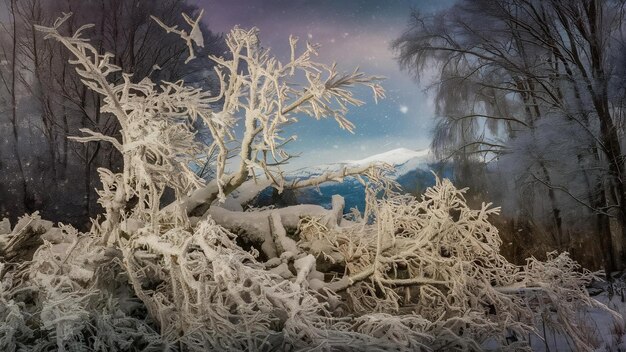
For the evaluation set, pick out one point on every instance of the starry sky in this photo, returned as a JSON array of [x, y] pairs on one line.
[[351, 33]]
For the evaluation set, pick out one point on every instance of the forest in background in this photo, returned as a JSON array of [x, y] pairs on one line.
[[530, 99], [43, 101]]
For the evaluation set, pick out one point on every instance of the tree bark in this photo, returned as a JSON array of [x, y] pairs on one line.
[[14, 121]]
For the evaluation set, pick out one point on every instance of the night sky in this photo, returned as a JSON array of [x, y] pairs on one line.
[[352, 33]]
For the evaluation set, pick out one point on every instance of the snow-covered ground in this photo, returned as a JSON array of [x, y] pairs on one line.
[[607, 332], [610, 334]]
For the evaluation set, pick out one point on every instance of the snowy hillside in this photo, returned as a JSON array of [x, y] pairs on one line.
[[403, 160], [413, 173]]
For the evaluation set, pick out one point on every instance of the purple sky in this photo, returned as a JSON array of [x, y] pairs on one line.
[[352, 33]]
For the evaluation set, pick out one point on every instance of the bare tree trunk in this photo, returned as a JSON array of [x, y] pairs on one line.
[[47, 116], [556, 212], [66, 127], [531, 106], [603, 224], [14, 121], [608, 130]]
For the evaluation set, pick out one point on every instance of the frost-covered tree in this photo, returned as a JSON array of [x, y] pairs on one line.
[[200, 273], [533, 85], [51, 103]]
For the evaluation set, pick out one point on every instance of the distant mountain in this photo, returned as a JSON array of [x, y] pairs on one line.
[[403, 159], [412, 172]]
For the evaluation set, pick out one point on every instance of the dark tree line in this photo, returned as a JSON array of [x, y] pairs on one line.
[[530, 103], [43, 101]]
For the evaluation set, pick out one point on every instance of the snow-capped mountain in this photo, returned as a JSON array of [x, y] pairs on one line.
[[412, 172], [404, 160]]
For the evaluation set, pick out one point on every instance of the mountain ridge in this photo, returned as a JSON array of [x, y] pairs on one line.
[[412, 172], [396, 157]]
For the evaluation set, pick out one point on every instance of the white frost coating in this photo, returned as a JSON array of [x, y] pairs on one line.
[[256, 226], [230, 204], [131, 225], [304, 266], [215, 294], [338, 204], [194, 36], [283, 243], [242, 195], [56, 235], [282, 270], [5, 226], [248, 190], [255, 221]]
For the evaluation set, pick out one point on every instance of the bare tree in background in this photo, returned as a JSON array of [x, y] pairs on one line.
[[10, 85], [49, 102], [528, 84]]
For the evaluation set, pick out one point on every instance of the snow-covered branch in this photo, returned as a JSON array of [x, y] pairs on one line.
[[336, 176], [193, 37]]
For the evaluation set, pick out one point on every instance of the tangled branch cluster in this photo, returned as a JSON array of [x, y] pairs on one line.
[[436, 282]]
